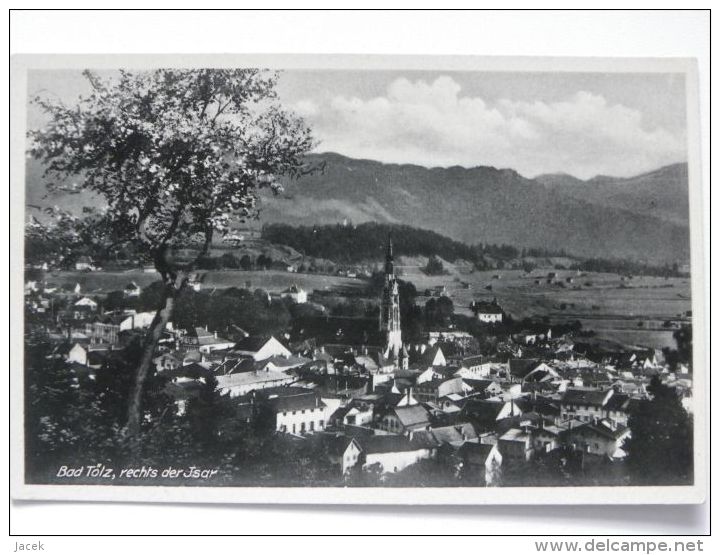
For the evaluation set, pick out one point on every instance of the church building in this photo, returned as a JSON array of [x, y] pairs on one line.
[[390, 315]]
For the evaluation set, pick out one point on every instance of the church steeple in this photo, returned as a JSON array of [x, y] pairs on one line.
[[389, 261], [390, 307]]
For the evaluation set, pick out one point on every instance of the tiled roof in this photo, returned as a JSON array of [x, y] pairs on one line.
[[485, 411], [240, 379], [575, 396], [387, 444], [412, 415], [297, 402], [252, 343], [456, 434], [619, 401], [476, 453]]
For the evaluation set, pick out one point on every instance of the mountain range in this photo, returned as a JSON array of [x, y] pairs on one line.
[[645, 217]]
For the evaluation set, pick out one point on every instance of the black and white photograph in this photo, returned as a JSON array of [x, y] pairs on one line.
[[312, 279]]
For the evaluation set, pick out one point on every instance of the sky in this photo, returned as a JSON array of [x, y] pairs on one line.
[[582, 124]]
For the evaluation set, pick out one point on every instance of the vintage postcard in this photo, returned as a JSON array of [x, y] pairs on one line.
[[357, 279]]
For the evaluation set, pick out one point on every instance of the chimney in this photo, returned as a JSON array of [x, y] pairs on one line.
[[215, 334]]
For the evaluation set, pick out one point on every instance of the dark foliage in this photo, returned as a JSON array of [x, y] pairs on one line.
[[350, 244], [660, 450]]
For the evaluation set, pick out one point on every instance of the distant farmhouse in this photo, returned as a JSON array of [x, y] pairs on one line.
[[488, 312]]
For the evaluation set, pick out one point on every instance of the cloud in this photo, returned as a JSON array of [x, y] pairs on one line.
[[434, 124]]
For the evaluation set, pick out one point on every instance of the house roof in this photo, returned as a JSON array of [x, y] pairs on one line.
[[212, 340], [456, 434], [194, 370], [240, 379], [183, 390], [483, 410], [337, 445], [252, 343], [297, 402], [429, 355], [236, 366], [618, 401], [367, 362], [484, 307], [412, 416], [577, 396], [478, 385], [112, 319], [476, 453], [387, 444], [521, 367], [514, 434], [474, 360], [284, 362], [601, 428]]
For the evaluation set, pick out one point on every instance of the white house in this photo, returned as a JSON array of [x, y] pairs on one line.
[[359, 416], [434, 357], [585, 404], [132, 290], [542, 373], [205, 341], [515, 445], [139, 320], [487, 412], [603, 438], [402, 420], [261, 347], [345, 452], [487, 312], [295, 293], [299, 414], [483, 457], [84, 264], [78, 354], [166, 361], [87, 303], [91, 356], [244, 382], [391, 453]]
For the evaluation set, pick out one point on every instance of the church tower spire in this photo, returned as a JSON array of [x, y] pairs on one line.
[[390, 308], [389, 261]]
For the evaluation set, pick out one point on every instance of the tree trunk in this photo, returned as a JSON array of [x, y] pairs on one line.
[[173, 288]]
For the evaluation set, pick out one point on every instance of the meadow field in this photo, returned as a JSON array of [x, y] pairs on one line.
[[631, 311], [102, 282]]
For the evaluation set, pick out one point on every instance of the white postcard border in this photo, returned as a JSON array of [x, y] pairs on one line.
[[634, 495]]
